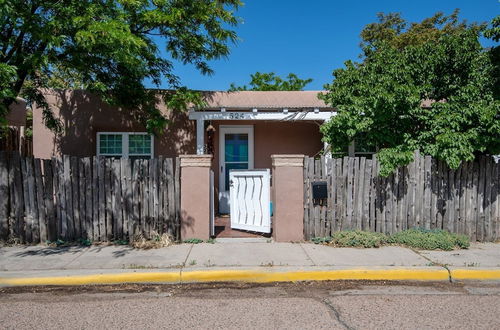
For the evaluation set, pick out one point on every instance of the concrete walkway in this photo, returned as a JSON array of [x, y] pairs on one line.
[[32, 261]]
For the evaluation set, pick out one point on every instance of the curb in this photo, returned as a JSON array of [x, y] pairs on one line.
[[249, 276], [157, 277], [321, 275], [475, 274]]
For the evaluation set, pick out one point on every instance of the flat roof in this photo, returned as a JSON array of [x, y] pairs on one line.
[[264, 100]]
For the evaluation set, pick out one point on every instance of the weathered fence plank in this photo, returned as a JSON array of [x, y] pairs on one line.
[[20, 218], [27, 205], [57, 194], [487, 201], [49, 197], [116, 199], [88, 199], [427, 191], [12, 202], [68, 191], [136, 215], [81, 199], [41, 231], [108, 191], [4, 197]]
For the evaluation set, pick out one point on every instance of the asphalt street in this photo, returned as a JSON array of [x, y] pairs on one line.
[[334, 305]]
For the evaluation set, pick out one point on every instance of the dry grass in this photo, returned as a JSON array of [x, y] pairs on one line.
[[157, 241], [12, 241]]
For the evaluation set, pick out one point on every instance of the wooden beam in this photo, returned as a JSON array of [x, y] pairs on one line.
[[282, 116]]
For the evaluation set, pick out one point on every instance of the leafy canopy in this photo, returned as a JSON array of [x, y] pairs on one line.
[[110, 47], [394, 30], [435, 95], [271, 82]]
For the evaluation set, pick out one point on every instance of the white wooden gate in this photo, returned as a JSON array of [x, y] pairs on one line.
[[249, 192]]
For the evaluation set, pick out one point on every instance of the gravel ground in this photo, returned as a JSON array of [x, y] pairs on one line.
[[333, 305]]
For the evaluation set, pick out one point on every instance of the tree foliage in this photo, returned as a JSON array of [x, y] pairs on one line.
[[436, 95], [392, 29], [111, 47], [271, 82], [493, 31]]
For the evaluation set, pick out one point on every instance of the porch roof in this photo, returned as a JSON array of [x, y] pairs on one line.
[[268, 100]]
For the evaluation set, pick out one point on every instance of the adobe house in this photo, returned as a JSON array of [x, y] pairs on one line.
[[240, 129]]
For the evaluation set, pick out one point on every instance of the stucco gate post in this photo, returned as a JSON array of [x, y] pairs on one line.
[[288, 197], [195, 196]]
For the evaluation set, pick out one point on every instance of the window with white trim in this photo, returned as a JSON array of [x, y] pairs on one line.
[[125, 145]]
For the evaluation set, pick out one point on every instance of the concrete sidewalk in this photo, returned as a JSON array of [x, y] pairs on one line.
[[246, 260]]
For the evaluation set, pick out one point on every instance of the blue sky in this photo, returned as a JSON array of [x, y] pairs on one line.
[[311, 38]]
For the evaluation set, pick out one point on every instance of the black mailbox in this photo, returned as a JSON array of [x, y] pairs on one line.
[[319, 190]]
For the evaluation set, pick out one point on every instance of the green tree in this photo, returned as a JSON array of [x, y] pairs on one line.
[[111, 47], [493, 31], [392, 29], [271, 82], [436, 96]]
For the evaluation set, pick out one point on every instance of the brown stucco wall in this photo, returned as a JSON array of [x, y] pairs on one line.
[[84, 115], [195, 199], [288, 197], [17, 113]]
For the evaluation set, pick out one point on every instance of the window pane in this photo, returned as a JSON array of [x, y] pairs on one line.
[[139, 144], [110, 144], [236, 147], [239, 166]]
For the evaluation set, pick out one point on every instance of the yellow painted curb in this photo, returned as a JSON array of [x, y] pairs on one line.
[[475, 274], [347, 274], [94, 279], [255, 276]]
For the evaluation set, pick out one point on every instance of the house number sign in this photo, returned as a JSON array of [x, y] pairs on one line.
[[236, 115]]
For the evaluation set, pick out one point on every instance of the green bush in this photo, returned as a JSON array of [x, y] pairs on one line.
[[430, 239], [193, 241], [357, 238], [419, 238], [321, 240]]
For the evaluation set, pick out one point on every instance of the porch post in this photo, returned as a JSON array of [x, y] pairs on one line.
[[195, 196], [200, 136], [288, 197]]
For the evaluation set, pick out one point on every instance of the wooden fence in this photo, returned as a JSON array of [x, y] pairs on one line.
[[97, 198], [425, 194], [13, 139]]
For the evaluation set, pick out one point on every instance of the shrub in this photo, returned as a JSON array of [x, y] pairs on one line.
[[193, 241], [357, 238], [321, 240], [430, 239], [419, 238]]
